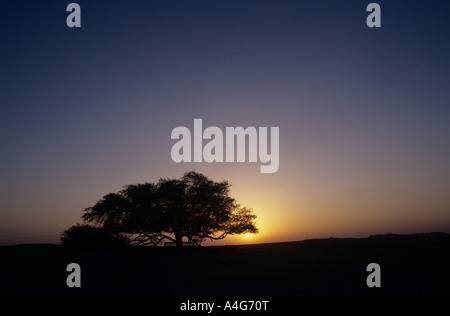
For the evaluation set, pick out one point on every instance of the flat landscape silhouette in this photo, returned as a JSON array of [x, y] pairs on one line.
[[415, 264]]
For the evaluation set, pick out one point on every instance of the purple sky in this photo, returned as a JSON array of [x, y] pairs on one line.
[[364, 114]]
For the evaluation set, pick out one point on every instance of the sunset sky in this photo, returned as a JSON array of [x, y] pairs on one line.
[[363, 113]]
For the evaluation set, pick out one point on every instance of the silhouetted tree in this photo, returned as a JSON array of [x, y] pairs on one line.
[[86, 236], [194, 207]]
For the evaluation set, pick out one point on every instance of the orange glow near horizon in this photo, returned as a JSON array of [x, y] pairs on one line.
[[288, 209], [335, 207]]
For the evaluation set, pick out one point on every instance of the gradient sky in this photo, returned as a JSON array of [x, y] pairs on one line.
[[364, 114]]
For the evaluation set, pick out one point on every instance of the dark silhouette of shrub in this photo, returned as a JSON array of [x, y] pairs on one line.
[[86, 236]]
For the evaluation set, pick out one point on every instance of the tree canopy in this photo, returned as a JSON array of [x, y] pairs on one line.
[[192, 207], [85, 236]]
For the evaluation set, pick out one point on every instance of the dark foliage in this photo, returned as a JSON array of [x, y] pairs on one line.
[[85, 236], [192, 207]]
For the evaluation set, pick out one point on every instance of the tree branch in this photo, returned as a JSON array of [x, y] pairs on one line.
[[143, 239]]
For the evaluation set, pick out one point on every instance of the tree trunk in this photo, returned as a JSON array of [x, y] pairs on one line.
[[179, 240]]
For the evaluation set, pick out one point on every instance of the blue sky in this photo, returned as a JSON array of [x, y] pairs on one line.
[[364, 114]]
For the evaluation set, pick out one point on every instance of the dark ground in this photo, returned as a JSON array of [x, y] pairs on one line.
[[416, 264]]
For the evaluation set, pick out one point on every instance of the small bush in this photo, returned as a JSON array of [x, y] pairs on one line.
[[86, 236]]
